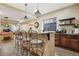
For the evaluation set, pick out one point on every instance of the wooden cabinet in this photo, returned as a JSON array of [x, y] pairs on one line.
[[68, 41], [75, 45], [56, 39], [63, 42], [67, 22]]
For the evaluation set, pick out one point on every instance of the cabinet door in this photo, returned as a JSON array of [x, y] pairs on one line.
[[63, 42], [57, 39], [75, 44], [68, 41]]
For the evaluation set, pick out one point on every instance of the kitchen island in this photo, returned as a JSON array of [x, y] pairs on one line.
[[50, 44], [68, 41], [48, 39]]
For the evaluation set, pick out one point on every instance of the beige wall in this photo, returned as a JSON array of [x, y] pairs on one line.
[[71, 11], [29, 24]]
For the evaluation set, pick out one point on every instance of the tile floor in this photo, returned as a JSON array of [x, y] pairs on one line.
[[7, 48], [65, 52]]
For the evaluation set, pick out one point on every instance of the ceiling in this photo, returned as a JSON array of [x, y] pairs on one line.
[[43, 7], [17, 10]]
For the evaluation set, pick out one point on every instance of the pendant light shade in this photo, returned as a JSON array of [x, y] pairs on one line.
[[37, 13], [6, 17], [25, 17]]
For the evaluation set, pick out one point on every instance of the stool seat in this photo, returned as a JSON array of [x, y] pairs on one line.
[[28, 39], [19, 37], [36, 41]]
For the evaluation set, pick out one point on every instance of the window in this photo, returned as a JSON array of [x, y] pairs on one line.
[[49, 24]]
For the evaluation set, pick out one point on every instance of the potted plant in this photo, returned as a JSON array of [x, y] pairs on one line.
[[76, 26]]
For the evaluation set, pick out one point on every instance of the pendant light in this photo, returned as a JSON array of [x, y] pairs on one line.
[[37, 12], [6, 23], [25, 17]]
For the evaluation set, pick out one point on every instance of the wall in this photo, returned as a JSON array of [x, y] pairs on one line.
[[71, 11], [29, 24], [3, 21]]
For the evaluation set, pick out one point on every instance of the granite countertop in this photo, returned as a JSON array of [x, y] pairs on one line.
[[68, 34], [46, 32]]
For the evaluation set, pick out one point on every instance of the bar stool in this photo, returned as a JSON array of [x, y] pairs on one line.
[[36, 44], [18, 42], [25, 43]]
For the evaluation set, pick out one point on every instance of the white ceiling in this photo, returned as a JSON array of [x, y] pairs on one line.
[[43, 7], [16, 10], [12, 13]]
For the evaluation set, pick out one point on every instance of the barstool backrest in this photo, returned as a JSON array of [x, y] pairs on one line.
[[34, 35]]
